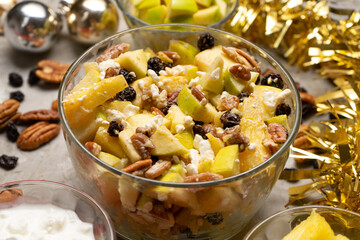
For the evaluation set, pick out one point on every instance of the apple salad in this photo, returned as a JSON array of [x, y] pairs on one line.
[[185, 114]]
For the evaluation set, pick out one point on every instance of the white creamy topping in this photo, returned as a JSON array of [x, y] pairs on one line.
[[215, 75], [191, 169], [153, 124], [224, 94], [153, 75], [179, 128], [114, 115], [193, 82], [103, 66], [154, 91], [162, 73], [197, 140], [252, 146], [205, 150], [42, 221], [130, 110], [161, 101], [141, 84], [269, 100], [188, 121], [200, 73]]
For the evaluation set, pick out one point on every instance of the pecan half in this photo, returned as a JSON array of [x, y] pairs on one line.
[[10, 195], [8, 112], [210, 128], [51, 71], [278, 132], [301, 141], [113, 52], [240, 71], [270, 145], [228, 102], [168, 56], [54, 105], [198, 94], [242, 57], [137, 165], [234, 136], [93, 147], [40, 115], [203, 177], [308, 98], [142, 144], [157, 169], [37, 134], [157, 111], [110, 72]]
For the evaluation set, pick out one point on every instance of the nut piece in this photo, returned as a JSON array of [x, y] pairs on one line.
[[198, 94], [157, 169], [168, 56], [301, 141], [308, 98], [51, 71], [270, 145], [93, 148], [228, 102], [137, 166], [8, 112], [210, 128], [203, 177], [278, 132], [37, 134], [110, 72], [40, 115], [142, 144], [233, 135], [10, 195], [242, 57], [157, 111], [240, 71], [54, 105], [113, 52]]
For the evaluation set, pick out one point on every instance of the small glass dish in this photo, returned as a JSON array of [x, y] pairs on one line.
[[63, 196], [277, 226], [127, 8]]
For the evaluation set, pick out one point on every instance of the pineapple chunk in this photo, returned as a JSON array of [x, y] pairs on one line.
[[79, 104], [226, 161], [216, 143], [314, 227], [134, 61], [186, 139]]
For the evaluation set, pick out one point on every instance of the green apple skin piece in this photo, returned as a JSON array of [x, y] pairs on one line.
[[180, 19], [202, 59], [214, 98], [178, 117], [222, 7], [166, 144], [154, 15], [139, 120], [108, 143], [204, 3], [181, 8], [281, 119], [186, 51], [112, 160], [207, 16], [213, 80], [226, 162], [206, 113], [186, 139], [234, 85], [188, 102], [191, 72], [134, 61], [127, 146], [148, 4]]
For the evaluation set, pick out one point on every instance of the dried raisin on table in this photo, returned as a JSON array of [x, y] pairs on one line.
[[8, 162], [11, 132], [17, 95], [205, 41], [15, 80], [282, 109], [273, 80], [129, 77], [229, 119], [115, 128], [33, 79], [128, 94]]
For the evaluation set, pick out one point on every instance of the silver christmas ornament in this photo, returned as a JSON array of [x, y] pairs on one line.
[[90, 21], [31, 26]]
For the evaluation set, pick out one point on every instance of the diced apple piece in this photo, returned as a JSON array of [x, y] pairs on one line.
[[91, 77], [79, 104], [146, 82], [202, 59], [191, 72], [222, 7], [148, 4], [127, 146], [181, 8], [207, 16], [205, 113], [173, 83], [88, 66], [234, 85], [281, 119], [204, 3], [213, 80], [134, 61], [166, 144], [85, 129], [116, 105], [216, 143], [178, 117], [186, 51], [139, 120], [128, 193], [112, 160], [188, 102], [186, 139], [226, 161], [108, 143], [180, 19], [155, 15], [215, 99]]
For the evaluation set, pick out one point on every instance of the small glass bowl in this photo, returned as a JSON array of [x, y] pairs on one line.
[[66, 197], [235, 198], [127, 7], [277, 226]]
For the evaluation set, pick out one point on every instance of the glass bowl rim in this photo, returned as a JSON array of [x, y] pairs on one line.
[[308, 208], [242, 175], [130, 16], [78, 192]]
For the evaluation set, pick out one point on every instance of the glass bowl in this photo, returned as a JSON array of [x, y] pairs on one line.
[[236, 198], [127, 8], [277, 226], [66, 197]]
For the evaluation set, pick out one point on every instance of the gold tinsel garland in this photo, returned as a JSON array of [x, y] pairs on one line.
[[306, 35]]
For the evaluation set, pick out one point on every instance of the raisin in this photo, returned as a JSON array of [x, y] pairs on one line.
[[205, 41], [257, 82], [243, 95], [214, 218], [17, 95], [128, 94], [129, 77], [199, 122], [307, 109], [154, 159], [33, 79], [198, 129], [11, 132], [229, 119], [15, 80], [273, 80], [8, 162], [115, 128], [157, 65], [282, 109]]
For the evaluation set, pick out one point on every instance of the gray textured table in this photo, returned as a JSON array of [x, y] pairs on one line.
[[51, 161]]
